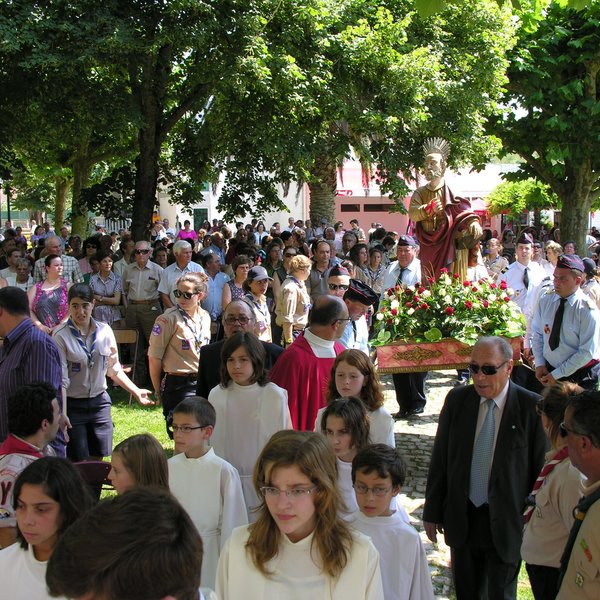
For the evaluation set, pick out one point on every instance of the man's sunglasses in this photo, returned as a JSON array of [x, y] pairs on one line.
[[486, 369], [142, 251], [334, 286], [186, 295]]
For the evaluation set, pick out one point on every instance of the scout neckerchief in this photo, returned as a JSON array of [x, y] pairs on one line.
[[191, 325], [307, 305], [264, 311], [89, 352], [561, 455], [579, 512]]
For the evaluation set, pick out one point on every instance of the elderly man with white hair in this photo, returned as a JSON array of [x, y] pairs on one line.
[[182, 251]]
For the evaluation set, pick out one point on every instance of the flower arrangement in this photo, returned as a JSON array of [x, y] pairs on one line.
[[447, 308]]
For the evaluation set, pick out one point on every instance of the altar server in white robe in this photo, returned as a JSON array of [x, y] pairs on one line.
[[378, 474], [249, 409], [207, 486], [298, 547]]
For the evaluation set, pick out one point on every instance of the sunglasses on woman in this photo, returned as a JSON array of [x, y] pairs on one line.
[[186, 295]]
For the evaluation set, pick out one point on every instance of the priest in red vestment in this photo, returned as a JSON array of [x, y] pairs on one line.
[[303, 368]]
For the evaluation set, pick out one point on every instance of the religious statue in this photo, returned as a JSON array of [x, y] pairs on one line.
[[445, 226]]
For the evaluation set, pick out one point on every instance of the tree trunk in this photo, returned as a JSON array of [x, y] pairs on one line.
[[62, 186], [322, 186], [82, 169], [145, 184]]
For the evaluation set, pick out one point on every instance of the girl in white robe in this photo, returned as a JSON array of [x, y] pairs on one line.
[[49, 495], [249, 409], [353, 374], [298, 548]]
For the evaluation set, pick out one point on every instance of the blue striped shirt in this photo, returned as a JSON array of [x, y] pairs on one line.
[[28, 355]]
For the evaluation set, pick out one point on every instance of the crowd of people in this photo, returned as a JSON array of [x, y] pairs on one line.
[[285, 477]]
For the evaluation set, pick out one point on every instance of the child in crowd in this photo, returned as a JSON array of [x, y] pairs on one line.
[[49, 495], [249, 409], [378, 474], [346, 424], [138, 460], [207, 486], [353, 374], [298, 547]]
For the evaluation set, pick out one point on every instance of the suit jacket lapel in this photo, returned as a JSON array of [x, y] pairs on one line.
[[509, 425]]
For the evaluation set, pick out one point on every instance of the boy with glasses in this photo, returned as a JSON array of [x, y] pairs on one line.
[[378, 474], [207, 486]]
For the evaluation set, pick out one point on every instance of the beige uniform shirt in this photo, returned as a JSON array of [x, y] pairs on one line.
[[141, 284], [78, 378], [177, 341]]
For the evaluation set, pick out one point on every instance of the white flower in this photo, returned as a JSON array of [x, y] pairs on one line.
[[379, 316], [448, 299], [509, 292], [410, 311], [394, 303], [492, 297], [425, 294]]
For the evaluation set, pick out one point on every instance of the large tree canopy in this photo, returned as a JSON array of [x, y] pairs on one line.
[[553, 121]]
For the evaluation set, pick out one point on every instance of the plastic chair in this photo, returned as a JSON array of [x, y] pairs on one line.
[[128, 336]]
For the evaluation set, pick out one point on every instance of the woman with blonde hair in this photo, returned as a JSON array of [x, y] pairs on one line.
[[299, 547], [138, 460], [553, 251], [293, 302]]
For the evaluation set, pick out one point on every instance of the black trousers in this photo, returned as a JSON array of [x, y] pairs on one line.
[[586, 377], [410, 390], [544, 581], [173, 389], [479, 573]]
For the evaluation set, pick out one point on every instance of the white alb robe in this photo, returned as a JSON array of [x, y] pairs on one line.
[[210, 490], [247, 417]]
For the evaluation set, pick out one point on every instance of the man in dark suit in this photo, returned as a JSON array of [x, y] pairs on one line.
[[237, 316], [488, 451]]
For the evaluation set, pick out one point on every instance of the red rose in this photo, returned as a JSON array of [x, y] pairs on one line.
[[466, 283], [421, 290], [390, 292], [456, 276], [408, 305], [424, 306], [443, 271], [493, 286], [430, 280], [390, 322], [469, 304], [503, 285], [394, 312], [485, 304], [449, 310], [506, 298], [474, 289]]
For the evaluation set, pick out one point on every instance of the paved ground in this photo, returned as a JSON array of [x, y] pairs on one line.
[[414, 438]]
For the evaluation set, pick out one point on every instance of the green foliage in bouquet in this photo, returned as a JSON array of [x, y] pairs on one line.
[[447, 308]]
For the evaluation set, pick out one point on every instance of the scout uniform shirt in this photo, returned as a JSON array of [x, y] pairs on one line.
[[176, 340]]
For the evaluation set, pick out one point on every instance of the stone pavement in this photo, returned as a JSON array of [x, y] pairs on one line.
[[414, 439]]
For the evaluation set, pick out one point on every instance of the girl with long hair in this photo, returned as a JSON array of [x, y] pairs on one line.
[[249, 409], [298, 547], [353, 374], [49, 496], [138, 460]]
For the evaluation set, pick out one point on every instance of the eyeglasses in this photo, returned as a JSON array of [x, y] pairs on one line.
[[363, 490], [564, 430], [142, 251], [187, 428], [186, 295], [290, 254], [293, 494], [340, 320], [334, 287], [234, 320], [486, 369]]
